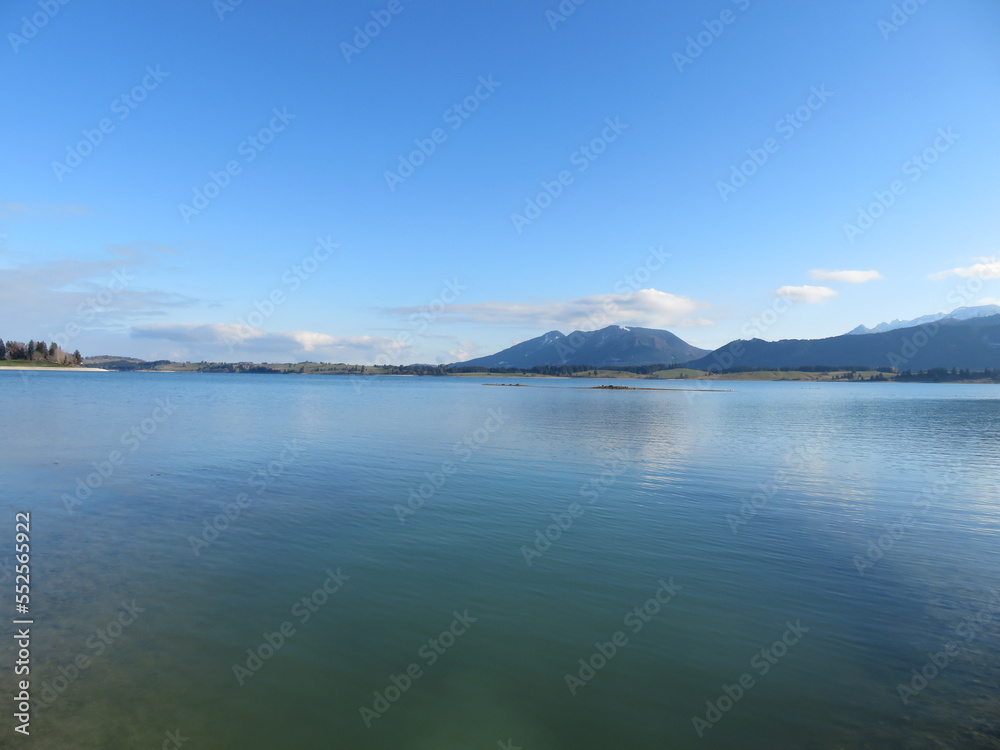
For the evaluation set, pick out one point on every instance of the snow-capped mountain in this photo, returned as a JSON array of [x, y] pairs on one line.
[[960, 313]]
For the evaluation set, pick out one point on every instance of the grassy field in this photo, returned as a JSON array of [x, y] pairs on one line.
[[683, 373], [677, 372], [322, 368], [799, 375], [605, 374], [27, 363], [594, 375]]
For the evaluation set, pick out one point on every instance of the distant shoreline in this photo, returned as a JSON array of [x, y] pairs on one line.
[[655, 375], [54, 369], [607, 387], [770, 376]]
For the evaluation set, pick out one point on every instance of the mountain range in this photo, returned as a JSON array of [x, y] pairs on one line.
[[972, 344], [607, 347], [965, 339], [960, 313]]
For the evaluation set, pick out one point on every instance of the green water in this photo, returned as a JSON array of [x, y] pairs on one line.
[[791, 624]]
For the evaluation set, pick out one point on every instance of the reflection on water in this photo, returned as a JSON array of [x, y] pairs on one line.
[[865, 514]]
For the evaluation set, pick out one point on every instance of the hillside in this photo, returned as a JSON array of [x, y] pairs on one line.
[[966, 344], [608, 347]]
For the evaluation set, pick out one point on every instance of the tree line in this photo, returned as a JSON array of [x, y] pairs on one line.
[[38, 351], [944, 375]]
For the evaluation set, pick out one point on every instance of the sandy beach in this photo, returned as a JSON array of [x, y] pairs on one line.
[[57, 369]]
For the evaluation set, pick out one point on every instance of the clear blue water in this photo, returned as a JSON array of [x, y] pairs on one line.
[[655, 491]]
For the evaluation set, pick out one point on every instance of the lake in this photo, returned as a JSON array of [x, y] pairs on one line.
[[261, 561]]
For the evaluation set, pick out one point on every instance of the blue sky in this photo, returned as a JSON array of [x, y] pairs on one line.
[[422, 181]]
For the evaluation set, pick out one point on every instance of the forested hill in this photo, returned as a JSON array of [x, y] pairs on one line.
[[37, 351]]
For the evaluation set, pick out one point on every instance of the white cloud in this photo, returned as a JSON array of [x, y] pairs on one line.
[[848, 277], [988, 301], [465, 350], [195, 333], [986, 268], [99, 294], [645, 308], [228, 341], [805, 293]]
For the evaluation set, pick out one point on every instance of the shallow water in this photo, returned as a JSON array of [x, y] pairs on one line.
[[612, 497]]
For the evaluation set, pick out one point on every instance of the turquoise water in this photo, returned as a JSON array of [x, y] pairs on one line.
[[790, 624]]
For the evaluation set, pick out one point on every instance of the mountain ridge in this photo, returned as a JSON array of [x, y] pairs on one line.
[[608, 346], [971, 343], [959, 313]]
